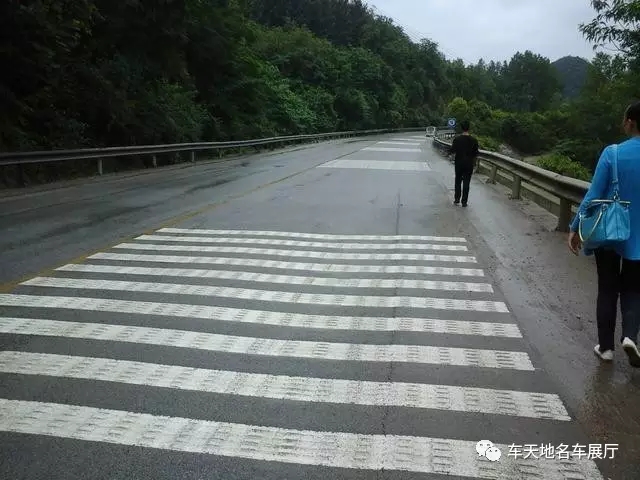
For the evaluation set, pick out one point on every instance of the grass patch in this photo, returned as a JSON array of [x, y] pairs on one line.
[[488, 143], [563, 165]]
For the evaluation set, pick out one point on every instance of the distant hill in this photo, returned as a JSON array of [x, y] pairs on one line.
[[573, 73]]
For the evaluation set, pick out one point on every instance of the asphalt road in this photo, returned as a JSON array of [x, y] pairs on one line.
[[321, 312]]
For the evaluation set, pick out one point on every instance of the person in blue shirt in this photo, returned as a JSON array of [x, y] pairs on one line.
[[618, 266]]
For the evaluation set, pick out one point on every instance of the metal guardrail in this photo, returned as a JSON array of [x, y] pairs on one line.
[[24, 158], [570, 191]]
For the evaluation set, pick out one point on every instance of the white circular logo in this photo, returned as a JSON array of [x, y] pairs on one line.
[[482, 446], [493, 454], [487, 449]]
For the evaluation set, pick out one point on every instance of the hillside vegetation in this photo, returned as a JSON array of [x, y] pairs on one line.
[[92, 73], [101, 73], [521, 103], [573, 72]]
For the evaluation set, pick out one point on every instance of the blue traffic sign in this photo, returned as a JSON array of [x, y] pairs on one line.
[[451, 122]]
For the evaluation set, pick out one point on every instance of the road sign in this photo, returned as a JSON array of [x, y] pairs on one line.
[[451, 122]]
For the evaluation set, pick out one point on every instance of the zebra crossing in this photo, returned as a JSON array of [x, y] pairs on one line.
[[402, 145], [294, 297]]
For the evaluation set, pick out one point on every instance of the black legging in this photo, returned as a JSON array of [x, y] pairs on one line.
[[463, 179], [616, 280]]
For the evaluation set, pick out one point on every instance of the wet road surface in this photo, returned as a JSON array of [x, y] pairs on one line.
[[325, 312]]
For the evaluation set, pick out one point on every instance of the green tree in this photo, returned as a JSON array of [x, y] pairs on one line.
[[530, 82], [617, 23], [458, 108]]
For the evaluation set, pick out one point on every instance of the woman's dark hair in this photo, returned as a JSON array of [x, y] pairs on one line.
[[633, 113]]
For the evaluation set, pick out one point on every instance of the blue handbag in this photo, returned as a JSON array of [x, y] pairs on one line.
[[605, 222]]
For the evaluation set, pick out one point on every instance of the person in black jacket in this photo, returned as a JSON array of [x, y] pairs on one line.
[[465, 148]]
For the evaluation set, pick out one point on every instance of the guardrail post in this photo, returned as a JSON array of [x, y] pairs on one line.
[[154, 161], [99, 166], [564, 216], [515, 188], [193, 156], [494, 174]]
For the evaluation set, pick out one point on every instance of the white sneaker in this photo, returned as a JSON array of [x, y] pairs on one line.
[[607, 355], [632, 352]]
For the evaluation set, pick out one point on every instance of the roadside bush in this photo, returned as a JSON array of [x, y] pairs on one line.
[[525, 133], [583, 152], [488, 143], [557, 163]]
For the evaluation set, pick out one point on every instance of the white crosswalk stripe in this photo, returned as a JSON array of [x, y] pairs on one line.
[[266, 346], [306, 389], [277, 265], [145, 296], [346, 450], [379, 164], [379, 301], [223, 314], [318, 236], [392, 149], [408, 257], [295, 244], [285, 279], [391, 142]]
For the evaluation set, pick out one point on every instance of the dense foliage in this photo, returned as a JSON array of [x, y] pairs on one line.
[[97, 72], [521, 104], [80, 73], [573, 74]]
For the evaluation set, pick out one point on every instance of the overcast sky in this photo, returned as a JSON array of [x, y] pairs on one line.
[[494, 29]]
